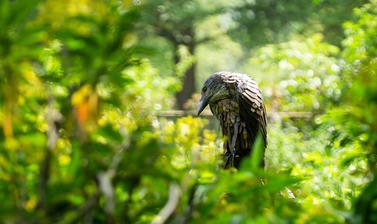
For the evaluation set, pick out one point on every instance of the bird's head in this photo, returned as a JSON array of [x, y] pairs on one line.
[[214, 89]]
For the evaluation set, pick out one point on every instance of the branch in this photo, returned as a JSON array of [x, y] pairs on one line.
[[53, 116], [191, 204], [104, 187], [204, 40], [166, 33], [207, 113], [105, 179], [170, 206], [210, 38]]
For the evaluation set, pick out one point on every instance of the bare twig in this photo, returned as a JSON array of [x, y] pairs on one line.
[[53, 116], [105, 179], [170, 206], [191, 207], [105, 188]]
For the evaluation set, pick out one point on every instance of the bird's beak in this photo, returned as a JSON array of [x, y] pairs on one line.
[[202, 104]]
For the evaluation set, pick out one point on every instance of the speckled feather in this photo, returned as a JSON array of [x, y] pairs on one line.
[[242, 114]]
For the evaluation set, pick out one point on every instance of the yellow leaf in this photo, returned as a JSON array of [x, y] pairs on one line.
[[64, 160], [80, 95], [29, 75], [30, 204]]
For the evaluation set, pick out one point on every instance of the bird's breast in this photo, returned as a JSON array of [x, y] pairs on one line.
[[226, 111], [232, 125], [233, 128]]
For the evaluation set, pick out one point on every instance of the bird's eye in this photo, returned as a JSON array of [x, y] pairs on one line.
[[204, 89]]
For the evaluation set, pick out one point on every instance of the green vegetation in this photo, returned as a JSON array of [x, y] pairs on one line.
[[84, 86]]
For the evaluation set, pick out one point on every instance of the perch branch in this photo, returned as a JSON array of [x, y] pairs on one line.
[[207, 113]]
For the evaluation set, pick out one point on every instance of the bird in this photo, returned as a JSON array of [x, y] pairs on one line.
[[237, 103]]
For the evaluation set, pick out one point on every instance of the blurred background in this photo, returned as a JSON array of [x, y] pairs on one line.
[[97, 100]]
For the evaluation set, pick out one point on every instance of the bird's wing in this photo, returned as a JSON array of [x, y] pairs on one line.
[[252, 109]]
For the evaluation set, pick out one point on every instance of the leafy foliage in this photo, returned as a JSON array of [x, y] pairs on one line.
[[300, 87], [83, 139]]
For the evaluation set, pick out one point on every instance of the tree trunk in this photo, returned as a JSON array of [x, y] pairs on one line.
[[188, 87]]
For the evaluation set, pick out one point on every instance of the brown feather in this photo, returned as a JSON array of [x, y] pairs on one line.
[[241, 113]]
